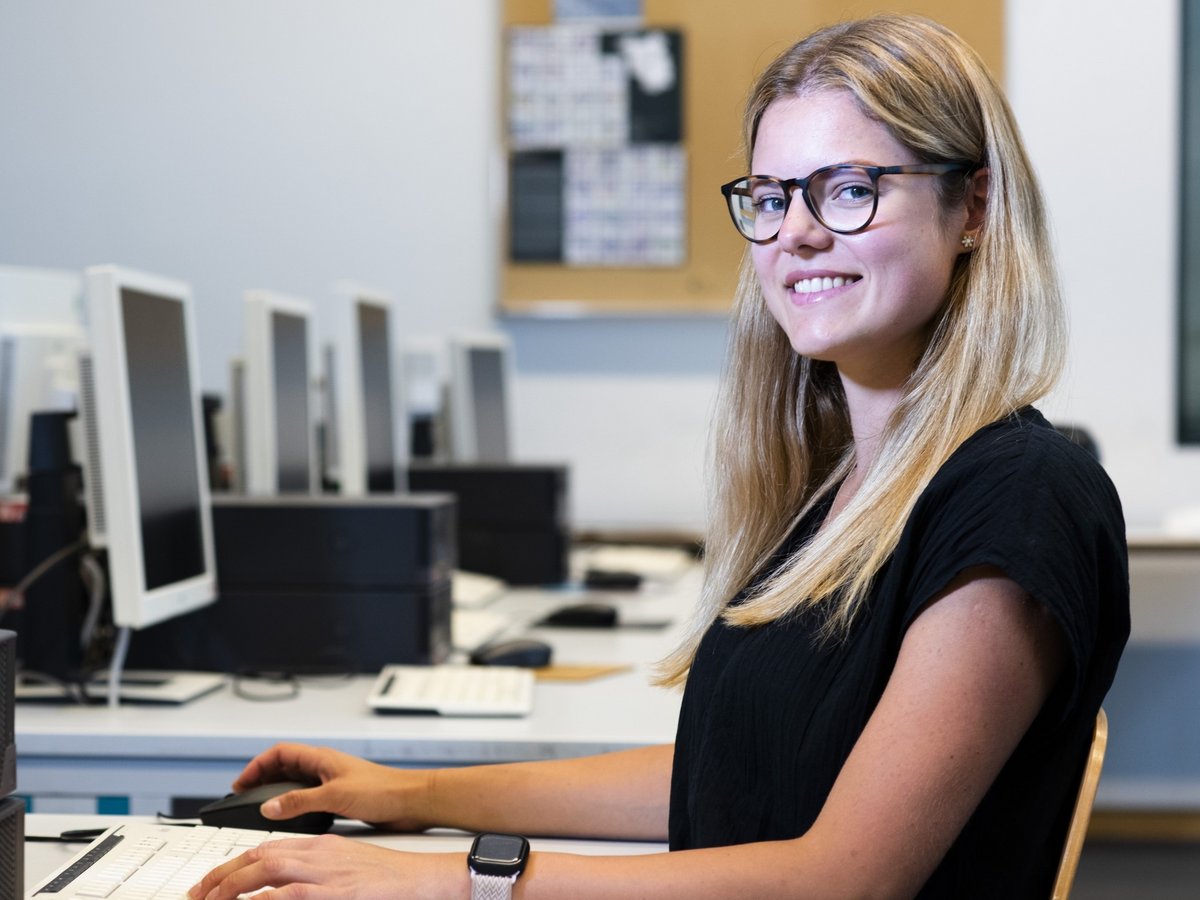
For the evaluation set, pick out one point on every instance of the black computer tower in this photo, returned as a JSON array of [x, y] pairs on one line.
[[12, 809], [317, 584], [513, 520]]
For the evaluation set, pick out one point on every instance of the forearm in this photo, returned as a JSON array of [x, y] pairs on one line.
[[614, 795], [793, 869]]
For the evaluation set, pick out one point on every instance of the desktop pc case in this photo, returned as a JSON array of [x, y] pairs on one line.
[[12, 809], [512, 517], [312, 584]]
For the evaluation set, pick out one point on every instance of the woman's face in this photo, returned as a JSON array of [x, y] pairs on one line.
[[863, 301]]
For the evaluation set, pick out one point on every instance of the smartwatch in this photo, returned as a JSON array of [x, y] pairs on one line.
[[495, 861]]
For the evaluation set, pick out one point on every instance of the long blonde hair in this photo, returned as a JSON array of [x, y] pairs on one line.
[[781, 437]]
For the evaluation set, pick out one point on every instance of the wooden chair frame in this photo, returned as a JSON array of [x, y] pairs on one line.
[[1083, 811]]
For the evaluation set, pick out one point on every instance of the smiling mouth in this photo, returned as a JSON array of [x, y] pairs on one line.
[[813, 285]]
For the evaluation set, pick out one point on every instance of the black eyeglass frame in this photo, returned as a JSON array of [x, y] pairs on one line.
[[789, 185]]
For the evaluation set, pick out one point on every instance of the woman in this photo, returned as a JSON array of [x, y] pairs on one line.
[[916, 590]]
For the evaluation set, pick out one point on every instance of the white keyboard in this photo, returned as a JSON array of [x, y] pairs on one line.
[[471, 628], [471, 590], [148, 861], [453, 690]]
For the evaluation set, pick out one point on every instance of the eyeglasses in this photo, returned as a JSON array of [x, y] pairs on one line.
[[843, 198]]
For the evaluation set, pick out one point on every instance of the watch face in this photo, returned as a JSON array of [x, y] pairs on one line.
[[499, 854]]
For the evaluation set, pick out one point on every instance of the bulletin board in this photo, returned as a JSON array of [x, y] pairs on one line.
[[721, 47]]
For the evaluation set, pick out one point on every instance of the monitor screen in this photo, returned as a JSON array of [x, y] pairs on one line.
[[273, 389], [378, 403], [486, 366], [293, 425], [479, 398], [164, 437], [145, 466]]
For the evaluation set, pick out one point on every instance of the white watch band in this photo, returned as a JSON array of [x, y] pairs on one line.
[[492, 887]]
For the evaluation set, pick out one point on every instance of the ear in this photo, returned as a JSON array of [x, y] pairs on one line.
[[976, 201]]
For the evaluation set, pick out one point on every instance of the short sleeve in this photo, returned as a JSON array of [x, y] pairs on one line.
[[1023, 498]]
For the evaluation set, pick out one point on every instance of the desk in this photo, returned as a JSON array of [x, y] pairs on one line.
[[72, 758], [43, 858]]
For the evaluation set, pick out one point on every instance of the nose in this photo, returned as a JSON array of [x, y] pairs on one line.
[[800, 227]]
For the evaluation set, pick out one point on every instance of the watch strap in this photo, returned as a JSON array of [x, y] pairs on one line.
[[492, 887]]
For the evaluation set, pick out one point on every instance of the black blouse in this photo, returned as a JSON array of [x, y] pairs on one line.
[[770, 714]]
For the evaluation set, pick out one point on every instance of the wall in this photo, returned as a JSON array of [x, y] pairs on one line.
[[1095, 88], [288, 143]]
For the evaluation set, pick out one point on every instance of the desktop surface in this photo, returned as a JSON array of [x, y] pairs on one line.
[[71, 755]]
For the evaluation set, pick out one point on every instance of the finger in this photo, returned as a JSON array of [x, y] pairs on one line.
[[281, 762], [271, 864]]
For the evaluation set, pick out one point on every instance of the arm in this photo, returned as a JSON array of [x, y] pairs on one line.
[[973, 671], [615, 795]]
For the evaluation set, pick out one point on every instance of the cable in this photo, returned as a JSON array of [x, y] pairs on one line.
[[15, 598]]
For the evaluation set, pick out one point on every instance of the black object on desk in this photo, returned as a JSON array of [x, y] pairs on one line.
[[512, 517], [311, 584], [241, 810], [582, 615]]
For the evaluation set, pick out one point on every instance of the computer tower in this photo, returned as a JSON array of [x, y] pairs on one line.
[[317, 584], [12, 847], [512, 517], [12, 809], [8, 742]]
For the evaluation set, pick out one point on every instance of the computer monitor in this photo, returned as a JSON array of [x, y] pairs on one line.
[[480, 367], [278, 428], [427, 385], [367, 423], [145, 469], [41, 334]]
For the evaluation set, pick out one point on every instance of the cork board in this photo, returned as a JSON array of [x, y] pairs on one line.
[[727, 44]]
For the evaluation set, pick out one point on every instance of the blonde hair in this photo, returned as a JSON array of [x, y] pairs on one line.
[[781, 437]]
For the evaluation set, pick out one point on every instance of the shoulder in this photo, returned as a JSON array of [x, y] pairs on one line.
[[1018, 465]]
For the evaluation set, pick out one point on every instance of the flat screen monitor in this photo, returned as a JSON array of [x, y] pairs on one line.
[[41, 335], [369, 419], [480, 367], [145, 466], [278, 411]]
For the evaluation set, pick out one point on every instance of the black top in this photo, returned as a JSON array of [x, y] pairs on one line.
[[770, 713]]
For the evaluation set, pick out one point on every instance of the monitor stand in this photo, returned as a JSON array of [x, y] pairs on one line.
[[148, 686]]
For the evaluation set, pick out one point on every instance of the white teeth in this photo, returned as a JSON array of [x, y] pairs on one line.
[[813, 285]]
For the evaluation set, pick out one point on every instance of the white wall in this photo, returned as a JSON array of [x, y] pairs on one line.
[[287, 143], [1095, 87], [233, 144]]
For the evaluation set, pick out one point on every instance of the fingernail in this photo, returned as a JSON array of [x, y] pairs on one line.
[[271, 809]]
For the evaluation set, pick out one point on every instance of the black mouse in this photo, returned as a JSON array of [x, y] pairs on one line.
[[241, 811], [582, 615], [524, 652]]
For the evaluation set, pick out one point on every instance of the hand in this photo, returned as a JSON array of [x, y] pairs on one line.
[[395, 799], [335, 867]]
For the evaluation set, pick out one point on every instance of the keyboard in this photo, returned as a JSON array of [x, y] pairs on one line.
[[148, 861], [471, 628], [471, 590], [453, 690]]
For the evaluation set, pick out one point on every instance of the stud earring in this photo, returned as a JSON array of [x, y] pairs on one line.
[[968, 241]]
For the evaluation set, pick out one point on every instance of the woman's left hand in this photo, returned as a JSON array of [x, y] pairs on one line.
[[335, 867]]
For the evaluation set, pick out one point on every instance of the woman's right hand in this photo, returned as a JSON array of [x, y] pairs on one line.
[[381, 796]]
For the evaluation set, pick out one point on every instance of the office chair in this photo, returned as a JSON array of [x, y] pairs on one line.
[[1079, 435], [1083, 811]]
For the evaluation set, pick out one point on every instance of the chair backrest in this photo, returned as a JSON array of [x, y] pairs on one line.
[[1083, 811]]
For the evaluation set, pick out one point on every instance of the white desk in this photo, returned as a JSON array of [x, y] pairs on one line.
[[71, 756], [43, 858]]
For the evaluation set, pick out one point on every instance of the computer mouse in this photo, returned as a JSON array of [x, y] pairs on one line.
[[612, 579], [524, 652], [582, 615], [241, 810]]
